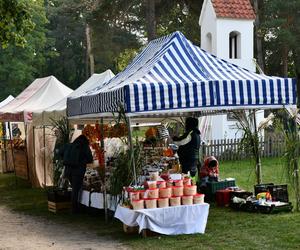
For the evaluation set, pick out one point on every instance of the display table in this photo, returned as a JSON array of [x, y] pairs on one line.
[[96, 200], [170, 220]]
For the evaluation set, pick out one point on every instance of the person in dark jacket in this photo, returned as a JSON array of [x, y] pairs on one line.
[[189, 144], [75, 171]]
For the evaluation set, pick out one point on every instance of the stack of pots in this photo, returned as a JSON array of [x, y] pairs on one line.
[[162, 194]]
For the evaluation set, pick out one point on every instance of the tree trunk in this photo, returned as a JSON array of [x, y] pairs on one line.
[[150, 19], [285, 54], [297, 69], [258, 37], [90, 55]]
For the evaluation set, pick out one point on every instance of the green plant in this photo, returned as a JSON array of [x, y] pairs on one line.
[[246, 122], [122, 174], [63, 132], [290, 129]]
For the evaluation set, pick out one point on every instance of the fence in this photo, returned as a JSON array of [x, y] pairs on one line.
[[230, 149]]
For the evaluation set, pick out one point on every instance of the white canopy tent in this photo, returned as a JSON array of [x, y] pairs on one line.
[[6, 101], [43, 116], [42, 128], [40, 94], [5, 158]]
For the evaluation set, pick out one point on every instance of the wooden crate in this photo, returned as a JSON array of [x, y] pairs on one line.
[[55, 207]]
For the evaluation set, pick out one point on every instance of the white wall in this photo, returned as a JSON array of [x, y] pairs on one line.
[[208, 24], [245, 28], [220, 29]]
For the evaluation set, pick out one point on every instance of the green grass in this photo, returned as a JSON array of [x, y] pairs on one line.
[[226, 229]]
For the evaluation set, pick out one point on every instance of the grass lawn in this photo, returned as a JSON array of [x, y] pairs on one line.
[[226, 229]]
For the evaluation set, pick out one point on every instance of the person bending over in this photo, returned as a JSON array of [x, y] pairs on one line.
[[209, 172], [189, 144]]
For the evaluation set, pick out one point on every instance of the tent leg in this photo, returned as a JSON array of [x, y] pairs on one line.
[[26, 152], [256, 145], [34, 156], [104, 181], [12, 150], [5, 145], [131, 149], [44, 155]]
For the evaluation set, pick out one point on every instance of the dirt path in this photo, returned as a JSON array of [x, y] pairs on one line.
[[19, 231]]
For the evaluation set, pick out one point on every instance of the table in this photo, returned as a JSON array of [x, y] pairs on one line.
[[96, 200], [186, 219]]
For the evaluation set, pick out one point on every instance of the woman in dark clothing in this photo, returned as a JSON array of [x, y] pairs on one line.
[[76, 156], [189, 144]]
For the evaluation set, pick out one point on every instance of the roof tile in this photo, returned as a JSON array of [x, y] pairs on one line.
[[240, 9]]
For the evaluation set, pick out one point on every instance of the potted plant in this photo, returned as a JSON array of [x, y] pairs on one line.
[[59, 196]]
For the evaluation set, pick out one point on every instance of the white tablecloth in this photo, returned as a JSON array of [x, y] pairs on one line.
[[96, 200], [170, 220]]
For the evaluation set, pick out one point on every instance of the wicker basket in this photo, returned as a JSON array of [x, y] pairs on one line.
[[163, 202], [153, 193], [177, 191], [190, 190], [187, 200], [199, 198], [165, 192], [175, 201], [151, 203], [137, 204]]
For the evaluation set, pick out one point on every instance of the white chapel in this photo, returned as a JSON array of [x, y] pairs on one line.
[[227, 28]]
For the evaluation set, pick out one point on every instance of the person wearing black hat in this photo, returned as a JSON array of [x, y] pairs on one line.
[[189, 144]]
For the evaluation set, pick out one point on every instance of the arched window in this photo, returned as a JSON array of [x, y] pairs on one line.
[[234, 45], [208, 42]]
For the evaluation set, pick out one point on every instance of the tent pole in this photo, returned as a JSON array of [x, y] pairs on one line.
[[104, 181], [256, 145], [12, 149], [44, 158], [34, 156], [132, 160], [5, 144], [26, 151]]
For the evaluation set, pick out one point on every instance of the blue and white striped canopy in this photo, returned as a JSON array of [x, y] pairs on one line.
[[171, 75]]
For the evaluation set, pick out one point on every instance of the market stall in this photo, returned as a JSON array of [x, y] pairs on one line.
[[172, 77], [6, 158], [43, 121], [40, 94]]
